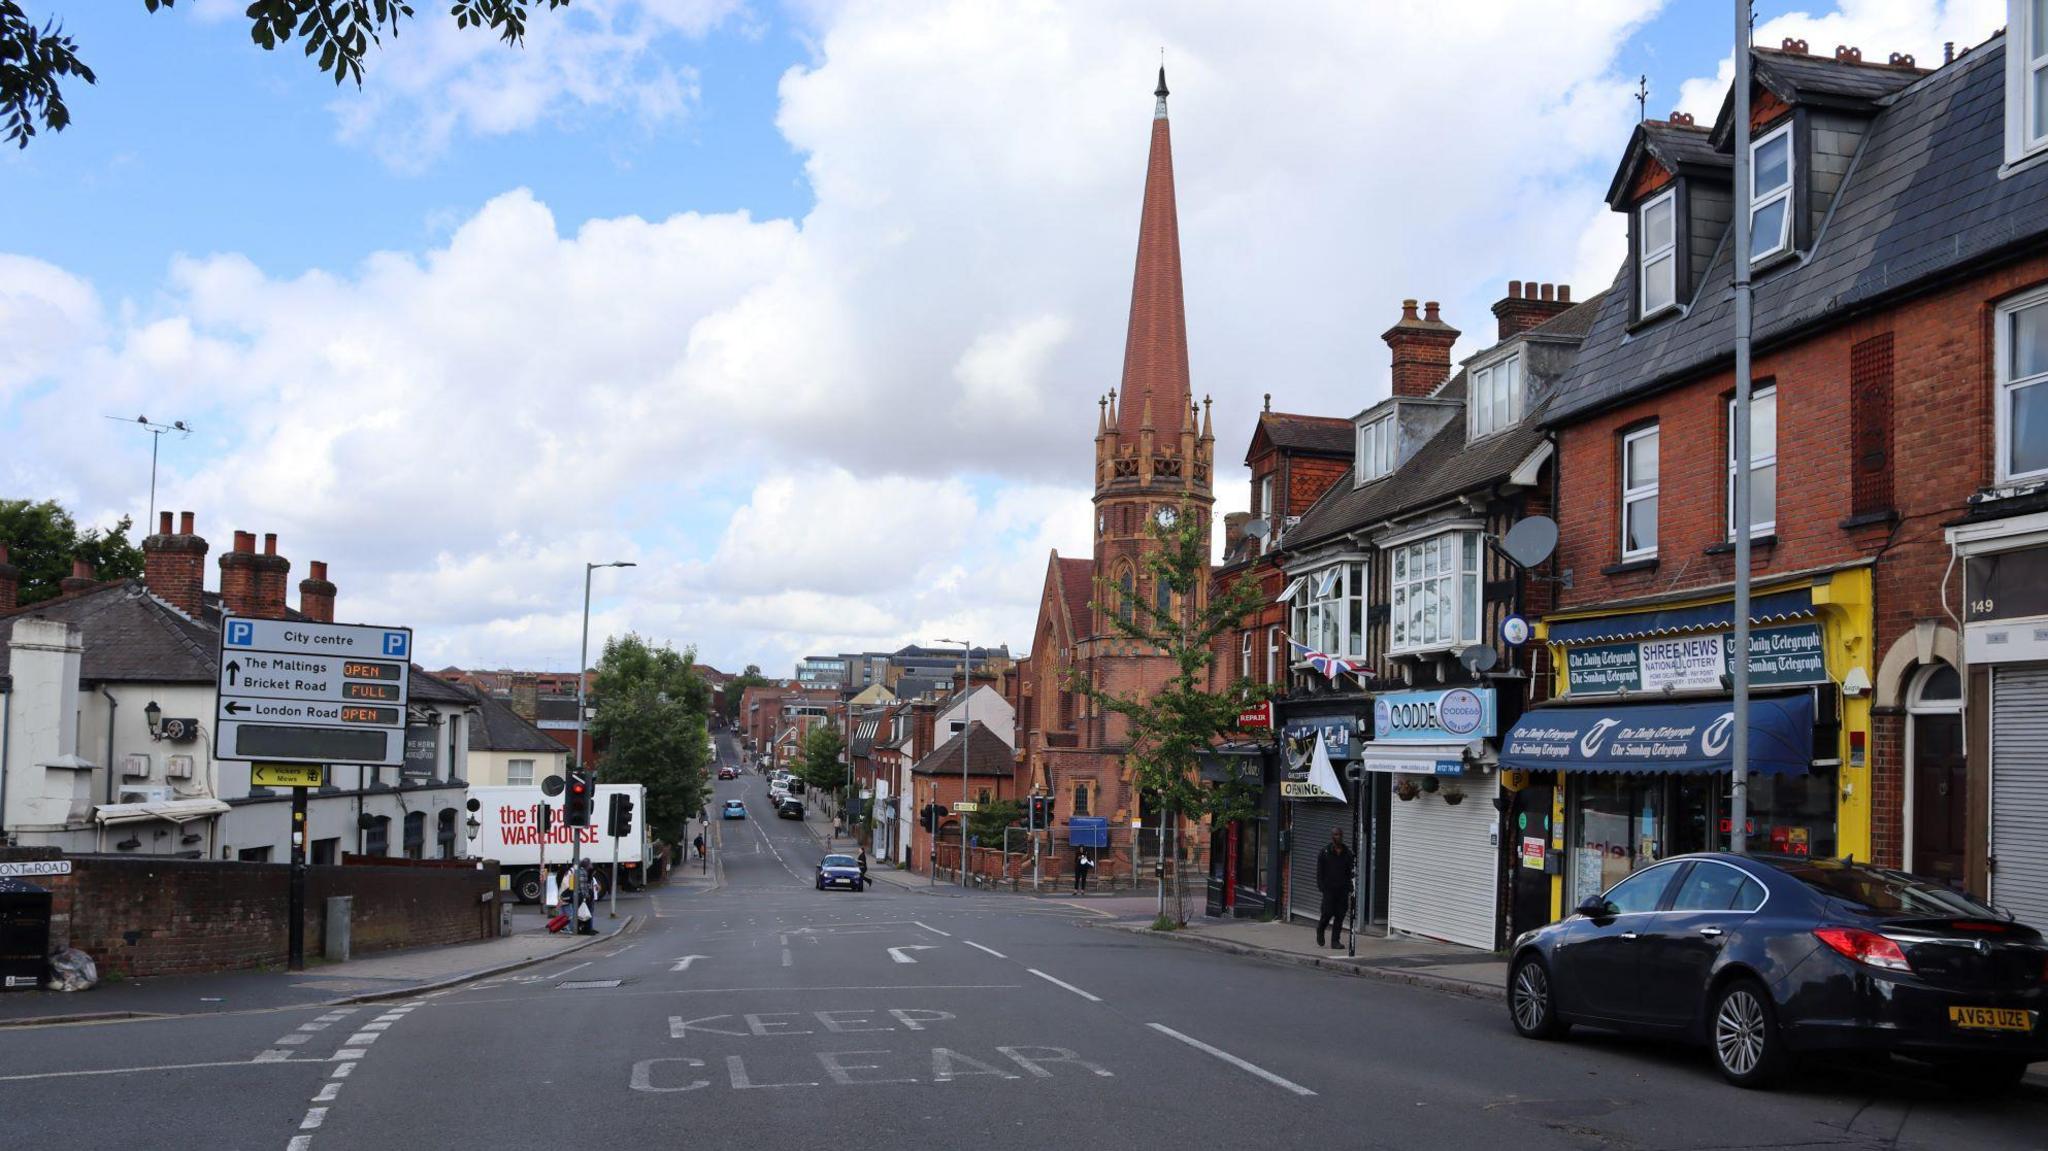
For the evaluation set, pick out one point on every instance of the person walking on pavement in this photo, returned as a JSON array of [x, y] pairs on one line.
[[863, 867], [1333, 879], [1082, 866], [700, 845]]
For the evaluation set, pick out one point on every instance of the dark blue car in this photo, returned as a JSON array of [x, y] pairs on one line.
[[1766, 958], [841, 871]]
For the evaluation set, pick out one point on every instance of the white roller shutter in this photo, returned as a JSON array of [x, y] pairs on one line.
[[1313, 822], [1443, 868], [2019, 791]]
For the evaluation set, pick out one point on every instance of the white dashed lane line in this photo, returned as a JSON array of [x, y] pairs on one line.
[[1063, 983], [1233, 1060], [356, 1047], [979, 947]]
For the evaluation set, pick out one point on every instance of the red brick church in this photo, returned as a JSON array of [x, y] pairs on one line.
[[1153, 457]]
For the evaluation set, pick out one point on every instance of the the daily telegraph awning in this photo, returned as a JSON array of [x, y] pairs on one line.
[[1771, 608], [1649, 738]]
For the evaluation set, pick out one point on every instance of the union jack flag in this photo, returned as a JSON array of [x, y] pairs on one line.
[[1330, 665]]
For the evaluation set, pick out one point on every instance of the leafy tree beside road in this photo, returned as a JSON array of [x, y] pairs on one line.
[[818, 763], [42, 540], [653, 713]]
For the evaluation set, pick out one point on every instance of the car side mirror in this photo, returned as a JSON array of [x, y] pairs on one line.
[[1594, 907]]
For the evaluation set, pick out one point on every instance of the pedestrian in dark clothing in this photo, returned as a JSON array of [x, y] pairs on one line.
[[1333, 879], [863, 863], [1082, 866]]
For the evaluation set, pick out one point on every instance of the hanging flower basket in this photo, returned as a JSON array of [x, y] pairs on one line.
[[1407, 789], [1429, 783], [1453, 795]]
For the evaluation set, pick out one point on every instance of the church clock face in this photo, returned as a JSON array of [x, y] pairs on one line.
[[1166, 517]]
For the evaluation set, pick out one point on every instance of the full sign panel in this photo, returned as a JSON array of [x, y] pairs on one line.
[[294, 691]]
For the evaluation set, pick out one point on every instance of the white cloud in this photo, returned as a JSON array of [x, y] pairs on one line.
[[869, 425]]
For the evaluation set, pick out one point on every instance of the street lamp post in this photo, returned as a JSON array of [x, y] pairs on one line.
[[966, 740], [582, 687]]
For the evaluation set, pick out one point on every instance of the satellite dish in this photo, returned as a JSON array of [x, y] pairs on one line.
[[1479, 657], [1258, 529], [552, 786], [1531, 541]]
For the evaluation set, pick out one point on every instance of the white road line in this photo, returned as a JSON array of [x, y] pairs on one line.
[[1233, 1060], [292, 1040], [979, 947], [274, 1055], [328, 1091], [786, 959], [317, 1025], [1065, 984], [352, 1053], [933, 930], [381, 1025], [256, 1062], [363, 1037], [315, 1116], [300, 1143], [563, 971], [343, 1070]]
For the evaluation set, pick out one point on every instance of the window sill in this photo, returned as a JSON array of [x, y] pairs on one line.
[[1727, 547], [1867, 519], [1629, 567]]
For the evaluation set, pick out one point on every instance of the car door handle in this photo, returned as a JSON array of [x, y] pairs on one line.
[[1628, 935], [1710, 932]]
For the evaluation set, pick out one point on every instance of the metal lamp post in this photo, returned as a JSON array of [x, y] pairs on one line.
[[582, 688], [966, 733]]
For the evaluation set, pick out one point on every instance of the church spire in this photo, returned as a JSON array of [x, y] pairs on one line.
[[1156, 344]]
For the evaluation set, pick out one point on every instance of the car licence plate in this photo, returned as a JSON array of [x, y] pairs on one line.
[[1991, 1018]]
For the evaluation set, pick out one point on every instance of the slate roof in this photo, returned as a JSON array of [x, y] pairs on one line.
[[1680, 148], [130, 636], [1819, 81], [1923, 199], [1321, 435], [499, 728], [987, 755]]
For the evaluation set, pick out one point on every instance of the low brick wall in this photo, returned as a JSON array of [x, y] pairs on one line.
[[140, 915]]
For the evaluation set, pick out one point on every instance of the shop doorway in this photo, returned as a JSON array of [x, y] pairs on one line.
[[1531, 862], [1936, 770]]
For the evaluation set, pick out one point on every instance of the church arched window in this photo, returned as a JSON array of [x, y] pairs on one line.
[[1126, 594]]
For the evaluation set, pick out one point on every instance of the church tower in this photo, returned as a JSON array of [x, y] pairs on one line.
[[1154, 448]]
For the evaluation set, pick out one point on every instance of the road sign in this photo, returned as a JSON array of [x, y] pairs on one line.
[[286, 775], [299, 692], [37, 867], [969, 808]]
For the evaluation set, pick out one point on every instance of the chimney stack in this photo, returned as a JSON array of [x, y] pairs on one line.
[[525, 699], [1528, 304], [316, 595], [10, 583], [1422, 349], [80, 580], [253, 583], [174, 564]]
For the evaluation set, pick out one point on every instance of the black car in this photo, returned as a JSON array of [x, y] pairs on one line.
[[1765, 958], [790, 809]]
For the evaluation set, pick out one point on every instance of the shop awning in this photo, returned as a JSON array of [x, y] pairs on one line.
[[1772, 608], [1414, 758], [170, 811], [1652, 738]]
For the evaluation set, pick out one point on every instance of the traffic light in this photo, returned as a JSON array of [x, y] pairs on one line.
[[576, 799], [544, 818], [1041, 813], [933, 812], [619, 818]]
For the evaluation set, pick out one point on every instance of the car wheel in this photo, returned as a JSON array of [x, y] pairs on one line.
[[1747, 1046], [859, 886], [1531, 1003], [821, 885]]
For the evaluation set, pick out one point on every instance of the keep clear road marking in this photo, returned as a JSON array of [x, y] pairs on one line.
[[979, 947], [1065, 984], [897, 953], [1233, 1060], [933, 930]]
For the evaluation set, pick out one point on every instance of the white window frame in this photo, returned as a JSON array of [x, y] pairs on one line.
[[511, 773], [1484, 399], [1244, 655], [1273, 664], [1757, 459], [2007, 385], [2023, 22], [1375, 451], [1332, 601], [1647, 256], [1631, 496], [1265, 511], [1408, 574], [1758, 203]]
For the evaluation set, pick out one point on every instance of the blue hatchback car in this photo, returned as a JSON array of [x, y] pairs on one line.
[[840, 871], [734, 809]]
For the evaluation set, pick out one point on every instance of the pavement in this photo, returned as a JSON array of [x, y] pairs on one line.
[[765, 1013]]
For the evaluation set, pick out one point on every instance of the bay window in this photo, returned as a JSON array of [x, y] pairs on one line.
[[1495, 401], [1657, 253], [2023, 387], [1639, 494], [1375, 448], [1329, 611], [1770, 194], [1763, 463], [1435, 601]]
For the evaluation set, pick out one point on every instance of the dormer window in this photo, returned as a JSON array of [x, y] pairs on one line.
[[2026, 80], [1657, 266], [1770, 194], [1495, 401], [1375, 448]]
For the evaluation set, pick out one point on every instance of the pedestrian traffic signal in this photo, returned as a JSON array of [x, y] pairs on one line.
[[619, 817], [1041, 813], [933, 812], [576, 800], [543, 818]]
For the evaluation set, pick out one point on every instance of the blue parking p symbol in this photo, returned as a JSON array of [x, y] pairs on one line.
[[241, 633], [394, 644]]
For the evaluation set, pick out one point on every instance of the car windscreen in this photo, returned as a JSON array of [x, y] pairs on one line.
[[1889, 892], [839, 861]]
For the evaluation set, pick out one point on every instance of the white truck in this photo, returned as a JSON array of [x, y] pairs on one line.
[[508, 831]]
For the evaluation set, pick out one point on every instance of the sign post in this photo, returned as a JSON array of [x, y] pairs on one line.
[[295, 935]]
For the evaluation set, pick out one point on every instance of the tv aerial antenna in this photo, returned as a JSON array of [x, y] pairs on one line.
[[156, 435]]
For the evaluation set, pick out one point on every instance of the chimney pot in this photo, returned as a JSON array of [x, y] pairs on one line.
[[80, 569], [1537, 302], [1564, 293], [245, 543], [174, 566], [1514, 288], [80, 579], [163, 524], [318, 569], [10, 582], [1429, 312], [1548, 291], [270, 543], [184, 523], [1407, 309]]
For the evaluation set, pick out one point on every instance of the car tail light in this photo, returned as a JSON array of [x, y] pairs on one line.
[[1866, 947]]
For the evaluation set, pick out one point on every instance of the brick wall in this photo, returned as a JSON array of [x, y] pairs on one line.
[[143, 917]]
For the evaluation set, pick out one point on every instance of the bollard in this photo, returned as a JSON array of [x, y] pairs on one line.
[[335, 944]]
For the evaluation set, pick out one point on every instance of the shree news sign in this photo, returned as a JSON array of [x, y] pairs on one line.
[[295, 691], [1778, 656]]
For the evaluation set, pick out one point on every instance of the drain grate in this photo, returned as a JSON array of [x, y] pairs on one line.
[[586, 984]]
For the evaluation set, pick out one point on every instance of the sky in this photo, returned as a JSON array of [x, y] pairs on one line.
[[801, 307]]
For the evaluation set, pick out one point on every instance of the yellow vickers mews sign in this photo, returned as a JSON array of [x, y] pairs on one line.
[[286, 775]]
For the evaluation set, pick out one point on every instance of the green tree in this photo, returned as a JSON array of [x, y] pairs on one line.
[[987, 824], [736, 687], [34, 61], [42, 539], [818, 763], [1170, 729], [653, 718]]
